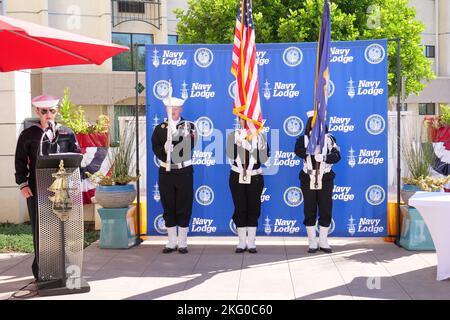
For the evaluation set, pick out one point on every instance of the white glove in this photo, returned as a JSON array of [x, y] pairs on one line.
[[246, 145], [319, 157], [168, 146], [239, 136]]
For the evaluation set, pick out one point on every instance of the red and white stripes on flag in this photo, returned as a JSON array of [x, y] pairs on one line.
[[246, 103]]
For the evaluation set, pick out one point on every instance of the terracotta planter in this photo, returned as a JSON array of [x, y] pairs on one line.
[[93, 139]]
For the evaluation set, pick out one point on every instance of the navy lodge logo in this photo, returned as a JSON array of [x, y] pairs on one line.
[[267, 226], [232, 90], [161, 89], [374, 53], [292, 56], [205, 126], [156, 194], [375, 124], [339, 55], [155, 58], [204, 195], [293, 126], [160, 224], [261, 58], [351, 88], [332, 226], [232, 226], [340, 124], [330, 88], [169, 57], [351, 226], [351, 158], [203, 57], [156, 161], [203, 225], [293, 196], [375, 195]]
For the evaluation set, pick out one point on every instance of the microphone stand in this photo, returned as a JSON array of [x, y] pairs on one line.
[[50, 127]]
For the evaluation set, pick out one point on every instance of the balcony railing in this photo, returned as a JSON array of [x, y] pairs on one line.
[[136, 10]]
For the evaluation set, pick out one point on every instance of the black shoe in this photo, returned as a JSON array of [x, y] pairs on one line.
[[169, 250], [182, 250], [326, 250], [252, 250], [239, 250], [312, 250]]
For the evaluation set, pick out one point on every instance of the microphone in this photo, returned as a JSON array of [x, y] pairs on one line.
[[49, 132], [51, 125]]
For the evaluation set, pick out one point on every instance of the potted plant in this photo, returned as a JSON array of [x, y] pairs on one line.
[[88, 134], [114, 190], [418, 157], [438, 126], [93, 139]]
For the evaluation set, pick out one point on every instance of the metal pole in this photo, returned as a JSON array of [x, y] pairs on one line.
[[138, 199], [399, 82], [63, 254]]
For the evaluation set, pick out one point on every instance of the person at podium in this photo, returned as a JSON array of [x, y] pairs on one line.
[[44, 137]]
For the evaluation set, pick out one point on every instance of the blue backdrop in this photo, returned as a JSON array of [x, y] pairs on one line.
[[357, 115]]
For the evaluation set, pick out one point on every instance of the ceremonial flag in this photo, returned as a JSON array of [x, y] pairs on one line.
[[246, 103], [321, 82]]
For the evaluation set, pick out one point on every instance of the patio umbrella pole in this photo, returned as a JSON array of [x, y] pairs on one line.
[[399, 86], [138, 199], [397, 240]]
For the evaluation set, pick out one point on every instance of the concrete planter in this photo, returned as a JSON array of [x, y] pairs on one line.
[[115, 196], [407, 191]]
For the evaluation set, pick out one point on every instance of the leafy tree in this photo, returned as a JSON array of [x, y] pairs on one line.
[[213, 21], [397, 19], [303, 24]]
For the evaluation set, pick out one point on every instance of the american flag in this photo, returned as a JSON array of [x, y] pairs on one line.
[[246, 103]]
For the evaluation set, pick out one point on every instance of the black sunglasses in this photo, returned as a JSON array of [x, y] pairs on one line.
[[45, 111]]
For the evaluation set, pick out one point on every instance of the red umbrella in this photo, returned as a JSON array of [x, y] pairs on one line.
[[25, 45]]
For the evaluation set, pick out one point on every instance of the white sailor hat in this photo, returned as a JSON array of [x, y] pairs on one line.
[[45, 101], [310, 113], [173, 102]]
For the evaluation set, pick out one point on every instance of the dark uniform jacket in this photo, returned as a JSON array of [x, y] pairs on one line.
[[28, 147], [261, 153], [333, 156], [183, 140]]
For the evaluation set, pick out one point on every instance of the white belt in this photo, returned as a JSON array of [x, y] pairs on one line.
[[313, 172], [249, 172], [176, 165]]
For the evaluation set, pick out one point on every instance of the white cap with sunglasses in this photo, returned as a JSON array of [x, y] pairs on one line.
[[45, 101]]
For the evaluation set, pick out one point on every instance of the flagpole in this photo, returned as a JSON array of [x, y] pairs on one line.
[[138, 195]]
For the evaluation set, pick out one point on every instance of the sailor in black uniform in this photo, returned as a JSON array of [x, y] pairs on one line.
[[246, 183], [317, 196], [176, 176], [55, 139]]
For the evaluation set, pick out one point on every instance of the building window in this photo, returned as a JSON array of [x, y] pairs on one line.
[[403, 107], [131, 7], [125, 60], [148, 11], [172, 39], [426, 109], [429, 51], [123, 111]]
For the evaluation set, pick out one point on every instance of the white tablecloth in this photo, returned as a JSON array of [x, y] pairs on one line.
[[435, 210]]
